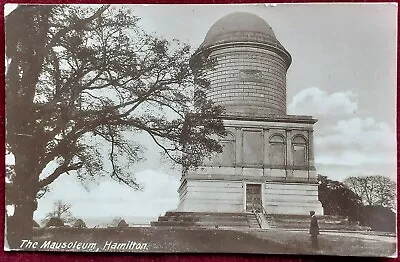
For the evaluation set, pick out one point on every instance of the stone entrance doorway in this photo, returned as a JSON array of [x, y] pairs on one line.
[[253, 198]]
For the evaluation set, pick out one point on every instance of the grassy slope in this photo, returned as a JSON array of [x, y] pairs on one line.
[[221, 241]]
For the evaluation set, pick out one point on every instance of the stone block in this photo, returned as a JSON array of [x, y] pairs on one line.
[[300, 174], [293, 208], [212, 196], [278, 173], [255, 172], [312, 175], [267, 172], [291, 186]]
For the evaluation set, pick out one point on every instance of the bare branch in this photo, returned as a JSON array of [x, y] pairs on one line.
[[57, 172]]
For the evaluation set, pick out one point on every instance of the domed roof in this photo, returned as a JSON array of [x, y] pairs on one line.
[[240, 26]]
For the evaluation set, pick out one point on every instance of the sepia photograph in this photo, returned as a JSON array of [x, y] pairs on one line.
[[240, 128]]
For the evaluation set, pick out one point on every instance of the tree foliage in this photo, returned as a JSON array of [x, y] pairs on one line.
[[12, 191], [122, 223], [343, 199], [379, 218], [85, 77], [54, 222], [61, 212], [81, 81], [338, 199], [373, 190], [79, 223], [115, 221]]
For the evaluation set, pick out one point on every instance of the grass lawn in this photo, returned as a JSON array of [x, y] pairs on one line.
[[206, 241], [332, 244]]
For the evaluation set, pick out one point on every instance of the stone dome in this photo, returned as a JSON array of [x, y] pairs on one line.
[[249, 75], [240, 27]]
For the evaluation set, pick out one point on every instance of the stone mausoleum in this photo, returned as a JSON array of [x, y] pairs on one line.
[[268, 156]]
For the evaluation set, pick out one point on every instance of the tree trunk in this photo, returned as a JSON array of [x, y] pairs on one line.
[[27, 28], [20, 225], [25, 187]]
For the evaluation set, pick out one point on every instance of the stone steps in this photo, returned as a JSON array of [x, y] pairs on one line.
[[200, 224], [178, 218], [197, 219], [249, 220], [303, 222], [174, 224], [252, 220], [174, 213], [203, 219], [270, 221]]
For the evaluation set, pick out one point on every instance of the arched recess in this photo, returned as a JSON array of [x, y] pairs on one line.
[[299, 150], [277, 152], [227, 157]]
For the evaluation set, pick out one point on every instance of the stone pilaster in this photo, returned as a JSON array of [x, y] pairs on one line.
[[311, 148], [266, 146], [239, 146], [289, 156]]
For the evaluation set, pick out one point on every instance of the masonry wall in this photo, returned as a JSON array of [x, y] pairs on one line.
[[222, 195], [248, 81], [210, 196], [282, 151], [220, 184], [291, 199]]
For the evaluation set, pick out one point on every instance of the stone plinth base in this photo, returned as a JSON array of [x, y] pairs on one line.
[[210, 196], [291, 199], [206, 220], [223, 195]]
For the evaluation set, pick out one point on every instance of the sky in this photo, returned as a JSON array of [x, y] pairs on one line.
[[344, 73]]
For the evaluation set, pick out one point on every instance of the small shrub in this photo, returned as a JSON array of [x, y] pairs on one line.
[[122, 223], [79, 223], [55, 222]]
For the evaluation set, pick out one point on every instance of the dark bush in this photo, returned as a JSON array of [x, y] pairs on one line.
[[122, 223], [55, 222], [79, 223], [379, 218]]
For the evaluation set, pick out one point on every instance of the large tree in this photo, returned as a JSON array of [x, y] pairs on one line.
[[337, 199], [373, 190], [81, 80], [61, 212]]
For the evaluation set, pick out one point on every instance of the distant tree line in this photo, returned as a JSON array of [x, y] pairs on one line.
[[367, 200]]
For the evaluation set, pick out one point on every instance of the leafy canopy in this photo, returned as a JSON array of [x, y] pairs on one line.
[[61, 211], [81, 80], [337, 199], [374, 190]]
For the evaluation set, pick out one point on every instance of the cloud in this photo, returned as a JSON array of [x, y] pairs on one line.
[[357, 143], [346, 143], [363, 134], [316, 102]]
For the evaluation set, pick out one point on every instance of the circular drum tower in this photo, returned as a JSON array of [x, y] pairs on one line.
[[267, 163], [249, 78]]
